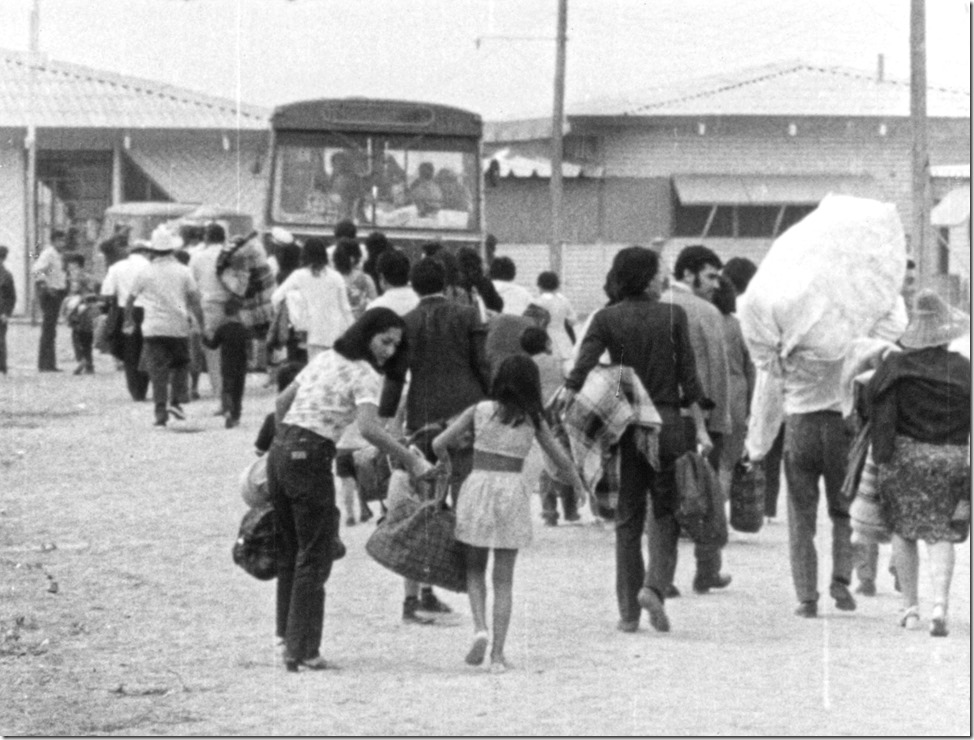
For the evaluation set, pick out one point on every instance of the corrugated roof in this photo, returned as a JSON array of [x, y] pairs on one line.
[[791, 88], [73, 96]]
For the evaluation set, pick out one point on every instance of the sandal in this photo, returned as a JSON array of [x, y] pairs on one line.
[[910, 619]]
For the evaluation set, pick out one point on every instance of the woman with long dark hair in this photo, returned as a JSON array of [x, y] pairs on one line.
[[337, 387]]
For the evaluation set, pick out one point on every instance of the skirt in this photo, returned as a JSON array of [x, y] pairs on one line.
[[919, 489], [494, 510]]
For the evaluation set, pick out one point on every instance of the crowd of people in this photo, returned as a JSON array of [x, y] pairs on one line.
[[473, 369]]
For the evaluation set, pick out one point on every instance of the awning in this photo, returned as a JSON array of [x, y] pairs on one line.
[[516, 165], [768, 189], [954, 209]]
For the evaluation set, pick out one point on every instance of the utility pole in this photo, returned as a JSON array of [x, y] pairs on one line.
[[557, 145], [30, 232], [924, 252]]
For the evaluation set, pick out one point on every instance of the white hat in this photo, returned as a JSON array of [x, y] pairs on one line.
[[282, 236], [163, 240]]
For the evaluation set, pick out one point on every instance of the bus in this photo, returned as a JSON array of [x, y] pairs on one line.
[[410, 170]]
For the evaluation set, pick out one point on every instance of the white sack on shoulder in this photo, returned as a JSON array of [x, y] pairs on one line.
[[824, 282]]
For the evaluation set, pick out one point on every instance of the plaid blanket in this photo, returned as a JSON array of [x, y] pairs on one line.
[[246, 274], [590, 427]]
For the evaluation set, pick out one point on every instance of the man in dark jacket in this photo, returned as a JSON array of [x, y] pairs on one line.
[[448, 373], [8, 299], [653, 339]]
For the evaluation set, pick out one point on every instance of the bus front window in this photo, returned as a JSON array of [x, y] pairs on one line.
[[378, 182]]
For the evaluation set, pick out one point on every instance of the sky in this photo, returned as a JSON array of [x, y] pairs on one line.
[[495, 57]]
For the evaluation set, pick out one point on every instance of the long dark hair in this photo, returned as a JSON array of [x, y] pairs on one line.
[[354, 343], [517, 388]]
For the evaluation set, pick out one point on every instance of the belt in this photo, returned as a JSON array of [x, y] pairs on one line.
[[496, 463]]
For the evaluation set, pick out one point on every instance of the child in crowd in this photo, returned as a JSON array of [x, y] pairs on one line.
[[350, 442], [80, 310], [494, 507], [233, 338], [536, 342], [197, 361]]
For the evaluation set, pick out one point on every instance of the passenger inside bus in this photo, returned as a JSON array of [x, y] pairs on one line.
[[425, 193]]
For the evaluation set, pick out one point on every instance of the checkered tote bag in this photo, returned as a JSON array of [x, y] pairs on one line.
[[415, 539]]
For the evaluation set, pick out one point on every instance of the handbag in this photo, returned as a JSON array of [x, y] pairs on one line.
[[254, 550], [856, 460], [869, 525], [698, 496], [415, 539], [747, 497], [372, 472]]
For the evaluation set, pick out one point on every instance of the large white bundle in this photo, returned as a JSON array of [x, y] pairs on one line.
[[825, 282]]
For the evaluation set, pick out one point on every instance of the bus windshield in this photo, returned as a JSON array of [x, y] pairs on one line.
[[377, 180]]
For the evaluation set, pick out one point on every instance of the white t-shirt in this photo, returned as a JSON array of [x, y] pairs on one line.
[[516, 297], [203, 266], [401, 300], [321, 304], [165, 287], [121, 276]]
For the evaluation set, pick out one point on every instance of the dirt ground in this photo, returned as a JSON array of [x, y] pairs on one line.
[[121, 612]]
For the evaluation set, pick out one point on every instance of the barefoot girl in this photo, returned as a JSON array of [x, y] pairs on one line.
[[493, 508]]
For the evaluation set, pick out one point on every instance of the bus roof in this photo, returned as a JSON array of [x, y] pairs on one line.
[[372, 115]]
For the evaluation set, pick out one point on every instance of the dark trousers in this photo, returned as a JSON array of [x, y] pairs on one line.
[[772, 474], [709, 558], [3, 346], [83, 342], [816, 446], [551, 492], [678, 436], [302, 492], [136, 380], [636, 479], [167, 360], [50, 303], [233, 390]]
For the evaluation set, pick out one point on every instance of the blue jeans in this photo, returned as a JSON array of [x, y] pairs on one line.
[[816, 446], [302, 493]]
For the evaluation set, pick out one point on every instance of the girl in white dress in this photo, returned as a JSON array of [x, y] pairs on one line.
[[494, 507], [562, 316]]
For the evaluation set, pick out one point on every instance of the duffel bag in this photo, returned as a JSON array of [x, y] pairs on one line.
[[747, 497], [698, 497], [254, 550]]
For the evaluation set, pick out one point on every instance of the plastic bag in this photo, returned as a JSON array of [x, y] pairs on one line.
[[826, 281]]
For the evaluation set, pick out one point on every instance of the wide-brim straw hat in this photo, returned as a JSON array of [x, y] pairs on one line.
[[934, 322]]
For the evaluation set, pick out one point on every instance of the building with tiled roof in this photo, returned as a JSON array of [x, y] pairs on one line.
[[104, 138], [729, 160]]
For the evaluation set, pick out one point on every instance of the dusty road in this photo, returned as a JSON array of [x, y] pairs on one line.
[[122, 613]]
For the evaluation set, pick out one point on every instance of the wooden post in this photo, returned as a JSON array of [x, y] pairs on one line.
[[557, 147], [30, 214], [923, 251]]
